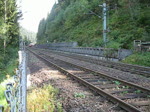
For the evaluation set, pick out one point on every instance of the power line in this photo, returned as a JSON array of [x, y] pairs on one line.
[[91, 12]]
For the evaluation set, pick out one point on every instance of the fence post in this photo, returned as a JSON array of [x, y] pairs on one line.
[[23, 80]]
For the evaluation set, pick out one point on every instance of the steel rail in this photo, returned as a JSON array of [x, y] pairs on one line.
[[122, 104], [145, 71], [109, 77], [117, 65]]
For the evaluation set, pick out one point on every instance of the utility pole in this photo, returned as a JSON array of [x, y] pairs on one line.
[[104, 23], [104, 17]]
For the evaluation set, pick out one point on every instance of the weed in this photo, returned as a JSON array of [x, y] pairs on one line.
[[125, 87], [117, 87], [138, 91], [81, 95], [117, 82], [59, 107], [124, 92]]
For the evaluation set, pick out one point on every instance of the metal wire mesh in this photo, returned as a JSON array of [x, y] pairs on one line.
[[16, 92]]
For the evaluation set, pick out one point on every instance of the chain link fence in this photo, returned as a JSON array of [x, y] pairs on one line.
[[16, 91]]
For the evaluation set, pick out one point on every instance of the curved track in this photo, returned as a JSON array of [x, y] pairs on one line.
[[129, 96]]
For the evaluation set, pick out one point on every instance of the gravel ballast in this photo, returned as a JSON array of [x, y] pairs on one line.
[[134, 78], [73, 96]]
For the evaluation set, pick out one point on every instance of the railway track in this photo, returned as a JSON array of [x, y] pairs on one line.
[[135, 69], [129, 96]]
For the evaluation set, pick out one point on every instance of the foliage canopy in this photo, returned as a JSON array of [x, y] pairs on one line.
[[9, 31]]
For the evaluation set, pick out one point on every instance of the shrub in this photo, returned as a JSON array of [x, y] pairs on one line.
[[142, 59], [43, 99]]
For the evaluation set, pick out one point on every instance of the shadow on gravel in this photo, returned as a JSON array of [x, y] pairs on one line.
[[34, 67]]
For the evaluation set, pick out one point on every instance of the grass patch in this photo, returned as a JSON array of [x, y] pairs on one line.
[[4, 79], [43, 100], [7, 69], [142, 59], [2, 96]]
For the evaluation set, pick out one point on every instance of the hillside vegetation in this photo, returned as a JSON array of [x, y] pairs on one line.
[[142, 59], [9, 35], [71, 20]]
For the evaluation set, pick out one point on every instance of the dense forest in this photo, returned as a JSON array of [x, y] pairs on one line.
[[27, 36], [9, 36], [78, 20]]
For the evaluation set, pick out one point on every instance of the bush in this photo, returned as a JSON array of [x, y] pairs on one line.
[[142, 59], [43, 100]]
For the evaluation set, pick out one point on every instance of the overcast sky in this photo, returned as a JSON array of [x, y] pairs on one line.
[[33, 12]]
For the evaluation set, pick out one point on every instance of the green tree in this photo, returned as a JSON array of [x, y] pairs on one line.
[[9, 28], [41, 31]]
